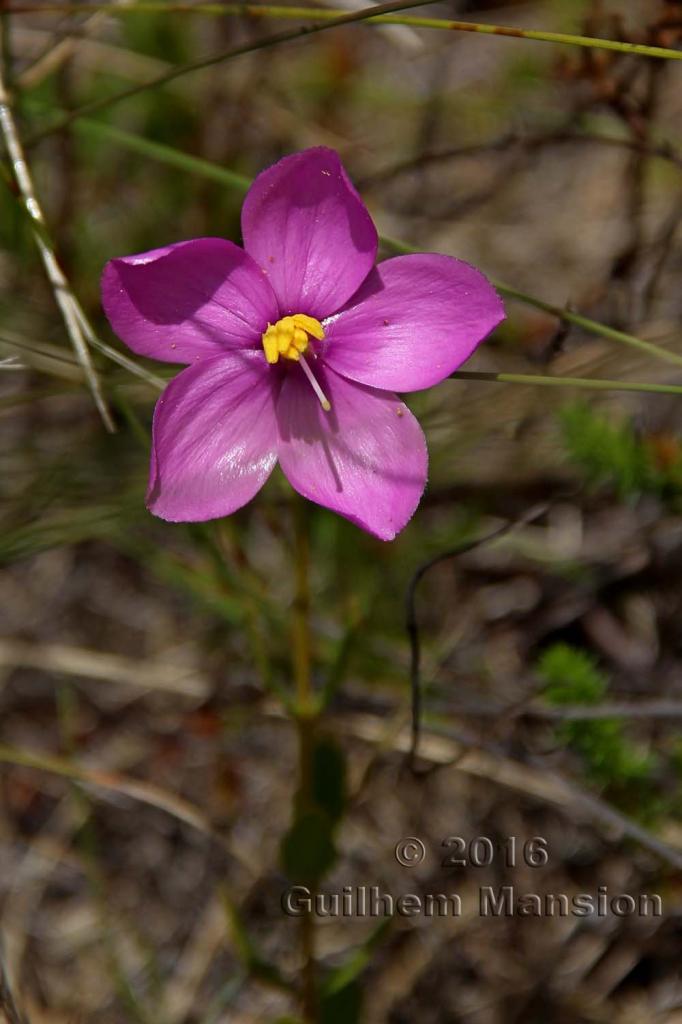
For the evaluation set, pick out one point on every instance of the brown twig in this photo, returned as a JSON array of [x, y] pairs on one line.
[[662, 151]]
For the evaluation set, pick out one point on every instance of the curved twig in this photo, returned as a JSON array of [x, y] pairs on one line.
[[412, 625]]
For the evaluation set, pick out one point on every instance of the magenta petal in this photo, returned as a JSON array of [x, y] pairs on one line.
[[366, 459], [305, 224], [412, 323], [214, 438], [188, 301]]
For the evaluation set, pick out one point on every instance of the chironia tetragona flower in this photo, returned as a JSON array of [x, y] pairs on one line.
[[296, 344]]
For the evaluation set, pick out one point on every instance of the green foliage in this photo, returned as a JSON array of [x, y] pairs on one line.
[[253, 960], [165, 38], [342, 1006], [572, 676], [308, 850], [359, 959], [611, 453], [341, 997], [607, 452], [329, 779]]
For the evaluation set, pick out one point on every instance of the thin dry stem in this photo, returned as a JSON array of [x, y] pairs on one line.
[[72, 314], [10, 1011]]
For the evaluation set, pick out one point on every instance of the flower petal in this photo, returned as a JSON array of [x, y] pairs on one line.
[[412, 323], [366, 459], [214, 438], [305, 224], [188, 301]]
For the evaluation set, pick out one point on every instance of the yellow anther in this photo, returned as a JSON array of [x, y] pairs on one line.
[[284, 339], [290, 337], [309, 325], [270, 344], [300, 339]]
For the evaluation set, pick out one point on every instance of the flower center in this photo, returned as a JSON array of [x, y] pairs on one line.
[[289, 337]]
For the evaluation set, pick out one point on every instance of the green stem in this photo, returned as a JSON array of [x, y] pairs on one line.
[[586, 383], [301, 651], [305, 715], [590, 325], [298, 13]]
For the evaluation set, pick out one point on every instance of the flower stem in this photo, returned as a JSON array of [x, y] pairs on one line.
[[301, 625], [305, 714]]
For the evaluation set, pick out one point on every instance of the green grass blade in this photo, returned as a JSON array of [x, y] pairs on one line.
[[584, 383], [164, 154]]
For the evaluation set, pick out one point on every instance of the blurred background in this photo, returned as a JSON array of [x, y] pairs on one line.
[[149, 764]]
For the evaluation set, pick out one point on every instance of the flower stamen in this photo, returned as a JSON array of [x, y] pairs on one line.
[[288, 338], [324, 401]]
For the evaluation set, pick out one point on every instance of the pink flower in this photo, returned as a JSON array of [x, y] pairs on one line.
[[295, 345]]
